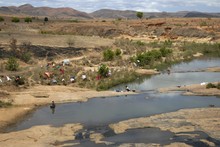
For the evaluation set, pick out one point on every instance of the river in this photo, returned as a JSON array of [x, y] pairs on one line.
[[96, 114]]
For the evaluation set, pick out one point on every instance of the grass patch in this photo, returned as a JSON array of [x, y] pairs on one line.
[[116, 79], [207, 49], [5, 104]]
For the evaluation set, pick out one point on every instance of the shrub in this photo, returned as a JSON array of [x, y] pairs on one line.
[[26, 57], [164, 51], [168, 43], [118, 52], [1, 18], [149, 57], [12, 64], [27, 19], [154, 44], [218, 85], [210, 85], [15, 19], [4, 104], [103, 70], [108, 55], [140, 43], [46, 19]]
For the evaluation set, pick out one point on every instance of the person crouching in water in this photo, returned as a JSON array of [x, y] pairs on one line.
[[52, 106]]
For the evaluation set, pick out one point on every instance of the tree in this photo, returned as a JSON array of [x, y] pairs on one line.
[[15, 19], [27, 19], [12, 64], [139, 14], [46, 19]]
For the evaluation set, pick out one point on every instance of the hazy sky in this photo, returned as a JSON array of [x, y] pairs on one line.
[[137, 5]]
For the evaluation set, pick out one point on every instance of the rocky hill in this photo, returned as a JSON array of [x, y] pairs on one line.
[[70, 13], [60, 13]]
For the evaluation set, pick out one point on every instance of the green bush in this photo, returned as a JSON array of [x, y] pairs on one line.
[[12, 64], [26, 57], [108, 55], [147, 58], [15, 19], [27, 19], [4, 104], [1, 18], [118, 52], [167, 43], [154, 44], [164, 51], [103, 70], [140, 43], [210, 85]]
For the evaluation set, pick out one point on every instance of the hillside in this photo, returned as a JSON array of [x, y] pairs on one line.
[[107, 13], [70, 13], [57, 13]]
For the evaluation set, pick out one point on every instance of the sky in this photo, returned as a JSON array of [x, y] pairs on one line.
[[136, 5]]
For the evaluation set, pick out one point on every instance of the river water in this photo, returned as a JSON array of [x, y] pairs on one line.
[[100, 112]]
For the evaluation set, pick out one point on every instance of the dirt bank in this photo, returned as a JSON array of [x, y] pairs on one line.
[[195, 89]]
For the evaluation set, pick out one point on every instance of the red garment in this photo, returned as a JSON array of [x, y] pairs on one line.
[[62, 71]]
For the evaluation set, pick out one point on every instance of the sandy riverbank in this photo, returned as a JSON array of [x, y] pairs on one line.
[[195, 89]]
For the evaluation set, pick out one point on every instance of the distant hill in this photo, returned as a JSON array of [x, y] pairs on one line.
[[108, 13], [68, 13], [60, 13], [200, 14]]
